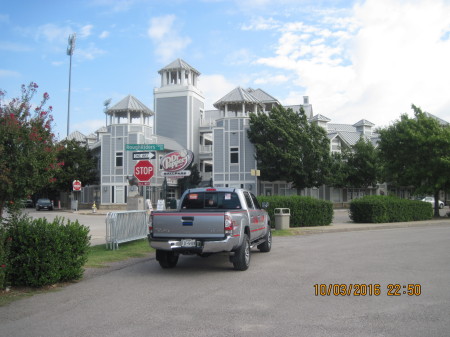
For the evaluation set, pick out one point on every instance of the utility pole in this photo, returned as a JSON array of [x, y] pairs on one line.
[[70, 49]]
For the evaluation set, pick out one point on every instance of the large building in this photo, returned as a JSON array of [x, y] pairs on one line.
[[218, 139]]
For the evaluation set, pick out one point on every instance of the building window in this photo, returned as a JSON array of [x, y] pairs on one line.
[[234, 155], [119, 159], [336, 145]]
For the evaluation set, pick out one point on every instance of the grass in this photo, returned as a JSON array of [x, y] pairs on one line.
[[100, 256]]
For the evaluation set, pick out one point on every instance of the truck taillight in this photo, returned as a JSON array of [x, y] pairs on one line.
[[228, 224], [150, 224]]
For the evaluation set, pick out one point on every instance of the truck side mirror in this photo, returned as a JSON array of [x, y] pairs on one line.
[[265, 204]]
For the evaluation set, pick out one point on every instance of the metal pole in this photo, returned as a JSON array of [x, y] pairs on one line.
[[70, 49]]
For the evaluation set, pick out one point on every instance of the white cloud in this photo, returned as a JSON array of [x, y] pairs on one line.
[[261, 23], [85, 31], [166, 37], [372, 64], [53, 33], [214, 87], [104, 34], [8, 73], [271, 79], [14, 47], [89, 53], [89, 126]]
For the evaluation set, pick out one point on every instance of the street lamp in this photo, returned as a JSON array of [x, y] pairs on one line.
[[70, 49]]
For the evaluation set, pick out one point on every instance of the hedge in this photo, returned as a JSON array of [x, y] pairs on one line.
[[44, 253], [305, 211], [379, 208]]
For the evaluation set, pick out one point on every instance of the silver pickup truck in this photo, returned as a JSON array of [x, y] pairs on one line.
[[211, 220]]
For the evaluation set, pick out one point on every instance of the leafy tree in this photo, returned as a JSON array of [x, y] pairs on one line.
[[28, 155], [79, 163], [355, 167], [290, 148], [190, 181], [416, 152], [338, 176], [363, 164]]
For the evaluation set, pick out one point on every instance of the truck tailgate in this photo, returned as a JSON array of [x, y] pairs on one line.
[[196, 225]]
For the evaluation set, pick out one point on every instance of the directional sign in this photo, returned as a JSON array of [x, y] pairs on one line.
[[143, 170], [144, 155], [144, 147]]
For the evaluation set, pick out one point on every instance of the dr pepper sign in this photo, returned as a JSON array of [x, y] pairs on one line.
[[143, 170]]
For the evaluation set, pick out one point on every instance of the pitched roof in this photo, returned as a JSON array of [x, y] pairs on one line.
[[132, 104], [363, 122], [440, 120], [76, 135], [238, 95], [262, 96], [321, 118], [306, 108], [178, 64]]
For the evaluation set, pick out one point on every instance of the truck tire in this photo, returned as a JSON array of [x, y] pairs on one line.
[[266, 245], [166, 259], [241, 258]]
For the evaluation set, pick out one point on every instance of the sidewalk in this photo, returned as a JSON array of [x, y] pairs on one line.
[[342, 223]]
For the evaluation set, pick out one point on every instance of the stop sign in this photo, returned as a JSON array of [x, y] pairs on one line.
[[143, 170]]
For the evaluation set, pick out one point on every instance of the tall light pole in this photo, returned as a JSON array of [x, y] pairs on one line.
[[70, 49]]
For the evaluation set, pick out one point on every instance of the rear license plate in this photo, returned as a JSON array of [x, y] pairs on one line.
[[188, 243]]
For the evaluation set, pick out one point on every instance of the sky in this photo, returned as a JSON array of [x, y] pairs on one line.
[[367, 59]]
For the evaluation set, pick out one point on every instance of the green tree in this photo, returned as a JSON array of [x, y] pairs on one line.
[[363, 165], [190, 181], [28, 155], [338, 176], [79, 163], [355, 167], [416, 152], [290, 148]]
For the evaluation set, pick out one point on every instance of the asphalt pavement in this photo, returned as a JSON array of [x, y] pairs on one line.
[[340, 284]]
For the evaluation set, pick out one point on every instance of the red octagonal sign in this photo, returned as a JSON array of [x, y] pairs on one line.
[[143, 170]]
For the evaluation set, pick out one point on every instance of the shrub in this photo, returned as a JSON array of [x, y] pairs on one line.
[[379, 208], [5, 244], [305, 211], [44, 253]]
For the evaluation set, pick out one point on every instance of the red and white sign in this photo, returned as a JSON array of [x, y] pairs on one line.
[[76, 185], [143, 170], [177, 161]]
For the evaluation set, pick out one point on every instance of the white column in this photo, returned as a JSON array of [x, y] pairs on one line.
[[183, 76]]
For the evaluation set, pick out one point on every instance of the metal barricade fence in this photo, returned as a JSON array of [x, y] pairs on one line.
[[125, 226]]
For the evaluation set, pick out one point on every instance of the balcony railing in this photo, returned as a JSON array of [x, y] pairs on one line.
[[205, 149]]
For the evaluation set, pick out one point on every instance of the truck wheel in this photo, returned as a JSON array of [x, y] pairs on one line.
[[166, 259], [241, 258], [266, 245]]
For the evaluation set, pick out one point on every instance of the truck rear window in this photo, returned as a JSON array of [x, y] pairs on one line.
[[202, 200]]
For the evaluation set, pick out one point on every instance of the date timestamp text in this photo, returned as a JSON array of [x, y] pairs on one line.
[[367, 289]]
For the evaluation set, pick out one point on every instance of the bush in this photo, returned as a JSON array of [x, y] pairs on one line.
[[305, 211], [44, 253], [5, 244], [379, 208]]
